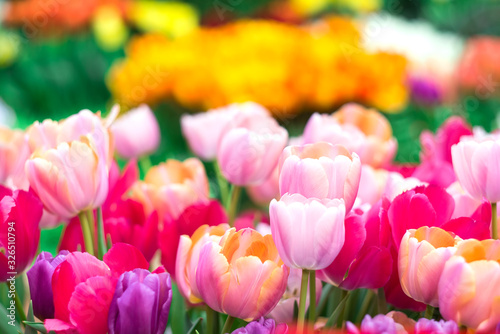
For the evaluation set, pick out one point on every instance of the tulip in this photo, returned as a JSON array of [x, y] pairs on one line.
[[151, 292], [422, 256], [83, 288], [188, 255], [40, 283], [204, 131], [14, 151], [171, 187], [378, 324], [320, 170], [365, 132], [475, 162], [284, 310], [69, 179], [469, 288], [20, 214], [250, 147], [43, 136], [136, 133], [365, 260], [426, 326], [262, 326], [208, 213], [309, 233], [242, 275]]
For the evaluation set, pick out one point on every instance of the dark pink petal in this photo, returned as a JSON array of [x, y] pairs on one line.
[[89, 304], [468, 228], [124, 257], [59, 327], [371, 270]]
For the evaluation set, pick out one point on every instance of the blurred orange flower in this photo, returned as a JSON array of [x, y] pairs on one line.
[[281, 66]]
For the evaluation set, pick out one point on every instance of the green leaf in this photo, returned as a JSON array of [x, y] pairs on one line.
[[101, 243], [37, 326], [31, 318], [195, 325], [335, 315], [8, 325]]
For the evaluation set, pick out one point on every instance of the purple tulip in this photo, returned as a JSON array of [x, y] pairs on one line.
[[263, 326], [424, 326], [40, 282], [379, 324], [141, 303]]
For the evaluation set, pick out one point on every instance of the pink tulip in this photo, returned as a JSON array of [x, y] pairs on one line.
[[422, 256], [469, 288], [476, 162], [83, 288], [203, 131], [43, 135], [365, 260], [171, 187], [188, 255], [284, 311], [250, 147], [320, 170], [372, 184], [309, 233], [136, 133], [365, 132], [242, 275], [70, 178]]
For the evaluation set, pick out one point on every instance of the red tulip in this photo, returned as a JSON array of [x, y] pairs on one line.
[[20, 213]]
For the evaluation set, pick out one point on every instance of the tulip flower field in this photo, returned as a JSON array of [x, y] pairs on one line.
[[259, 167]]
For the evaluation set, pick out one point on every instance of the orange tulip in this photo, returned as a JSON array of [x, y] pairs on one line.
[[469, 288], [242, 275], [422, 256], [172, 186]]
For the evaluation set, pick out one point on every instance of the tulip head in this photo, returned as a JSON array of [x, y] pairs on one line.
[[40, 282], [422, 256], [320, 170], [309, 233], [475, 161], [250, 147], [469, 288], [141, 303], [242, 274], [262, 326], [188, 255], [20, 214], [136, 133], [70, 178]]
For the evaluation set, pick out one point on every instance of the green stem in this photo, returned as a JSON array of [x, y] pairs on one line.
[[222, 182], [302, 303], [210, 320], [227, 326], [233, 204], [87, 236], [494, 232], [101, 243], [364, 307], [19, 307], [145, 164], [429, 311], [312, 297], [381, 302], [91, 222]]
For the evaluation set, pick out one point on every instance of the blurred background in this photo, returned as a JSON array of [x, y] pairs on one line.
[[418, 61]]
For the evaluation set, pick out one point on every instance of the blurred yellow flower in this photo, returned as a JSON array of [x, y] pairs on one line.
[[174, 19], [109, 29], [9, 48], [283, 67]]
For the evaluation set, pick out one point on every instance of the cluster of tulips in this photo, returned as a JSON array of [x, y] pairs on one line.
[[341, 213]]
